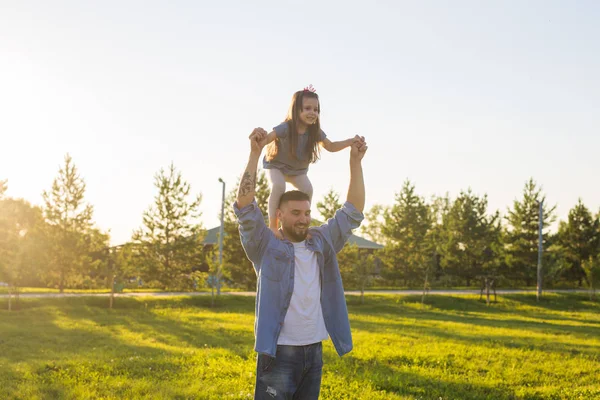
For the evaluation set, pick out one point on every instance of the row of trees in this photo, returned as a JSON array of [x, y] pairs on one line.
[[49, 245], [443, 241], [458, 241], [57, 245]]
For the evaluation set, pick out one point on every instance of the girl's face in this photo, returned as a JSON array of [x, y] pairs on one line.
[[310, 111]]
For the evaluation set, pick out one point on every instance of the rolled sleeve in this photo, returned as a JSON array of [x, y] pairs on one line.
[[340, 227], [253, 231]]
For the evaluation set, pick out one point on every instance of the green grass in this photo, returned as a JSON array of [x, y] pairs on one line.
[[454, 347]]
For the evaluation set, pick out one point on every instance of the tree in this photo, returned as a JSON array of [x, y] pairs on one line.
[[120, 266], [20, 224], [591, 268], [329, 205], [170, 240], [522, 233], [236, 266], [356, 267], [439, 207], [372, 227], [209, 277], [70, 233], [406, 225], [578, 240], [469, 237]]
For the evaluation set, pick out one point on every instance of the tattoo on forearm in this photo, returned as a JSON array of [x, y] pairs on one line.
[[247, 184]]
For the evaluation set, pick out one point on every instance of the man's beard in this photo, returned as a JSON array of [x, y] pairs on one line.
[[291, 233]]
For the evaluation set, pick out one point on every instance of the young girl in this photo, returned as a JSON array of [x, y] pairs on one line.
[[293, 145]]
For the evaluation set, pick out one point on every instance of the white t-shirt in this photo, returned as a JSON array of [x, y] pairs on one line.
[[304, 322]]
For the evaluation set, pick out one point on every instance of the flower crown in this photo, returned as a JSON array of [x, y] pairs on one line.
[[310, 88]]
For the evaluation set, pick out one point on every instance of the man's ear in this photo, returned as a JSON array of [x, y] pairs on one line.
[[279, 214]]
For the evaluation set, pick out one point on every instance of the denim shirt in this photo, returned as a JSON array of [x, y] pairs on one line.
[[273, 262]]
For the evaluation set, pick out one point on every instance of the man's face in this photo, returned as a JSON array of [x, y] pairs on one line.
[[295, 219]]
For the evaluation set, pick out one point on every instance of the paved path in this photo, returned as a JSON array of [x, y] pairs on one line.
[[350, 292]]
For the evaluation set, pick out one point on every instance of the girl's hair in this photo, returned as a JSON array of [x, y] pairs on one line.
[[293, 119]]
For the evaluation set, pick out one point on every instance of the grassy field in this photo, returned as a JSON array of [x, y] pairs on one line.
[[454, 347]]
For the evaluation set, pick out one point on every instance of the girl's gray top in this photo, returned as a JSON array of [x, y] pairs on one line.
[[284, 161]]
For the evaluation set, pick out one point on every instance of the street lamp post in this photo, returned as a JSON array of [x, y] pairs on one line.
[[540, 249], [221, 231]]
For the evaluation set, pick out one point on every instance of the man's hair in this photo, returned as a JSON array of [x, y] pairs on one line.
[[293, 195]]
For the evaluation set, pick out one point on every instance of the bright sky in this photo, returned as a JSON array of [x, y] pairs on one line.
[[450, 95]]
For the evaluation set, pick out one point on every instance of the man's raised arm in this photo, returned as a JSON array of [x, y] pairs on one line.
[[339, 228], [245, 194], [254, 233]]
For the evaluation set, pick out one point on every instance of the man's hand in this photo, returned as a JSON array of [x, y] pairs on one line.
[[257, 140], [358, 149]]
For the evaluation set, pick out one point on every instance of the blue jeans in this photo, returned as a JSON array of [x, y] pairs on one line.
[[294, 373]]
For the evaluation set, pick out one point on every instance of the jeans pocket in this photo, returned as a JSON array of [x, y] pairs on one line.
[[265, 362]]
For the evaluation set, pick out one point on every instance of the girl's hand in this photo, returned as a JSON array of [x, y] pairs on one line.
[[356, 138]]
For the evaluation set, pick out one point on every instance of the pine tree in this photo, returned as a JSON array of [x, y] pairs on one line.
[[469, 237], [20, 262], [170, 240], [357, 267], [406, 225], [372, 226], [69, 233], [523, 231], [578, 240], [329, 205], [439, 207]]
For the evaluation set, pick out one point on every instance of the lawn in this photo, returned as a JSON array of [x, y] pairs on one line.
[[453, 347]]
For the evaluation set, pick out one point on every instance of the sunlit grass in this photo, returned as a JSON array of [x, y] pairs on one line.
[[453, 347]]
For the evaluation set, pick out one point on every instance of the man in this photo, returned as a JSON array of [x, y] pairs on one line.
[[300, 297]]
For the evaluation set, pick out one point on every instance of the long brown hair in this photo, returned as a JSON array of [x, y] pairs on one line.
[[293, 119]]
